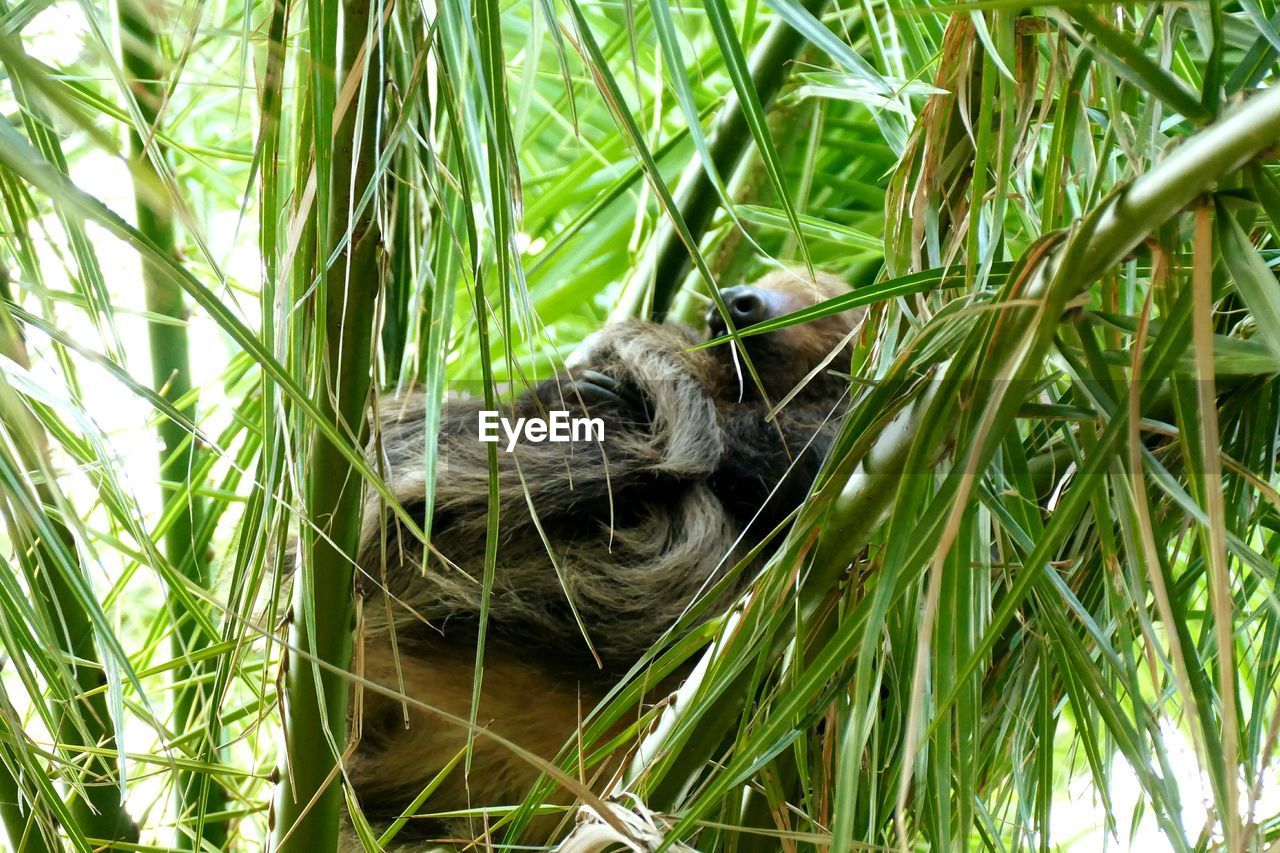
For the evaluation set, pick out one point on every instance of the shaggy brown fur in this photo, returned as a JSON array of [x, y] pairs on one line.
[[637, 526]]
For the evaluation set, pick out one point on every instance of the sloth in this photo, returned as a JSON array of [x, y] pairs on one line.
[[602, 544]]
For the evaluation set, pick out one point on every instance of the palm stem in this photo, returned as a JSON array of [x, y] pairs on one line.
[[18, 817], [695, 195], [308, 800], [197, 793]]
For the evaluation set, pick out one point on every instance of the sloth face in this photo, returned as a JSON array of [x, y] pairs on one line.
[[783, 358]]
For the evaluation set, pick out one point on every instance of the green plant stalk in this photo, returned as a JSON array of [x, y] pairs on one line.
[[668, 258], [749, 185], [100, 813], [193, 704], [1190, 169], [20, 811], [1125, 220], [15, 815], [309, 796]]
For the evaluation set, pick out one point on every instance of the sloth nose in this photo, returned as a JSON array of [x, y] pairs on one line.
[[746, 306]]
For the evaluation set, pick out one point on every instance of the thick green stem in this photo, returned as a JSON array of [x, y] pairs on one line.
[[1190, 169], [15, 812], [27, 823], [197, 794], [16, 816], [309, 797], [695, 195]]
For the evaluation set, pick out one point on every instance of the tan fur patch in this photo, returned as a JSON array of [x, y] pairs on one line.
[[518, 701], [812, 341]]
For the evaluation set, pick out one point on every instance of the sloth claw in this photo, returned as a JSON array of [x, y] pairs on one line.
[[595, 388]]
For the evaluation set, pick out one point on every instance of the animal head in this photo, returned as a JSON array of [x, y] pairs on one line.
[[783, 358]]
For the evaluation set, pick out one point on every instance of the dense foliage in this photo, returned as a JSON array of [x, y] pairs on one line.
[[1032, 601]]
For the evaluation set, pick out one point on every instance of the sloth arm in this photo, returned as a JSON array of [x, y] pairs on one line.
[[769, 465], [660, 425]]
